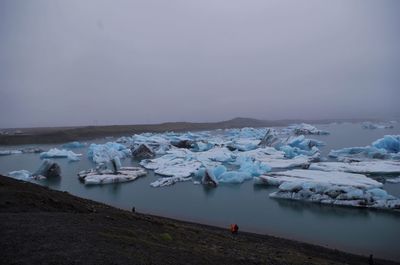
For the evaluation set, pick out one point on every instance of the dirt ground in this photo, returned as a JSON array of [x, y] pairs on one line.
[[42, 226]]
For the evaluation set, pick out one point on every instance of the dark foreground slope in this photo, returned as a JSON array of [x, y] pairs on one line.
[[41, 226]]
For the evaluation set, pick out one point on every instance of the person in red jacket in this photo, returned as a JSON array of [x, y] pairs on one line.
[[234, 228]]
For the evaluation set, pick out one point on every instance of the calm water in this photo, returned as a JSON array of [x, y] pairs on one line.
[[353, 230]]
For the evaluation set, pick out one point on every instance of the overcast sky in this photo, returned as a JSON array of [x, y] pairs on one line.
[[123, 62]]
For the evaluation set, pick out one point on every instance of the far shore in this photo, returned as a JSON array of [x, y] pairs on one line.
[[50, 135]]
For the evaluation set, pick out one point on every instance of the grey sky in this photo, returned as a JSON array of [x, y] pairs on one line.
[[123, 62]]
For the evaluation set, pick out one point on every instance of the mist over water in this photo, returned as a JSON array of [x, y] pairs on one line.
[[124, 62]]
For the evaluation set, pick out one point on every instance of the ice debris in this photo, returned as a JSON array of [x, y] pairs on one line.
[[56, 153]]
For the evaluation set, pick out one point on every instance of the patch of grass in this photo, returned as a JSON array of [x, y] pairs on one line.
[[166, 237]]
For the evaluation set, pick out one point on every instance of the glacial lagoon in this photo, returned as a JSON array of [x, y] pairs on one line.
[[363, 231]]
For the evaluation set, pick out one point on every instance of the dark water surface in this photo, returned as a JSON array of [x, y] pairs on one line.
[[353, 230]]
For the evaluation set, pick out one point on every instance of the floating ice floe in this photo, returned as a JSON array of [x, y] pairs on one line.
[[48, 169], [393, 180], [304, 129], [387, 147], [56, 153], [363, 167], [103, 153], [107, 176], [325, 177], [381, 125], [74, 144], [336, 188], [10, 152]]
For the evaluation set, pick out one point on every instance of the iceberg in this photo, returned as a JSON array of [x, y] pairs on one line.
[[103, 153], [56, 153], [304, 128], [270, 139], [276, 159], [364, 167], [74, 144], [387, 147], [335, 188], [253, 168], [48, 169], [201, 146], [167, 181], [21, 174], [243, 144], [372, 126], [143, 151], [106, 176], [220, 174], [390, 143], [393, 180], [9, 152], [321, 177]]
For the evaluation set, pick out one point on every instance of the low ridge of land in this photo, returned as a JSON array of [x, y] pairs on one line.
[[43, 226], [45, 135]]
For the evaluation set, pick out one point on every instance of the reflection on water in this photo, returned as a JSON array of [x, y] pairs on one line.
[[356, 230]]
